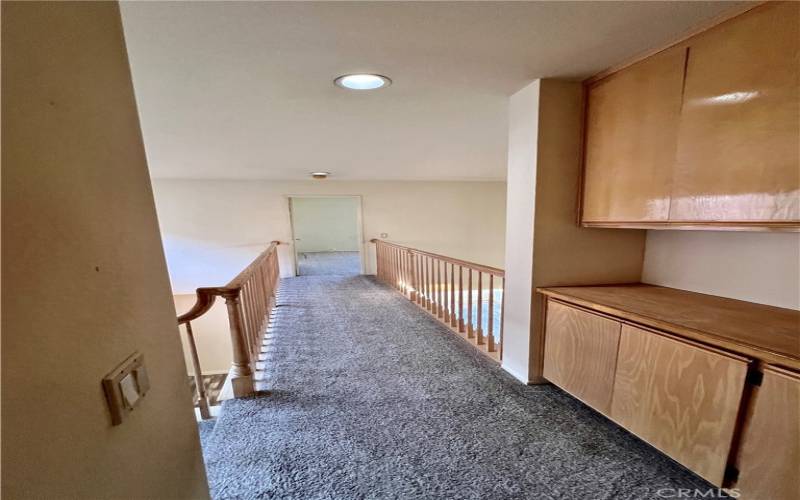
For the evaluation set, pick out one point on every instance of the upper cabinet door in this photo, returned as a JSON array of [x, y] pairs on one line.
[[738, 157], [631, 133]]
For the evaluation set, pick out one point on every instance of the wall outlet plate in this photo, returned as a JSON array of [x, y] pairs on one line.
[[125, 386]]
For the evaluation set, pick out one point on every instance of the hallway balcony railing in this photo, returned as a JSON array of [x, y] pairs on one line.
[[465, 296], [250, 300]]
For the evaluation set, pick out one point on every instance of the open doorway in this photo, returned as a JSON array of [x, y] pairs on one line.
[[327, 235]]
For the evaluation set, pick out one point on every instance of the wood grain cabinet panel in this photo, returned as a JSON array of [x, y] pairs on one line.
[[769, 460], [681, 398], [738, 154], [631, 134], [581, 353]]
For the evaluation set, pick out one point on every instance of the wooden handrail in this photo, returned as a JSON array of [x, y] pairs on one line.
[[242, 277], [429, 280], [250, 298], [205, 299], [452, 260]]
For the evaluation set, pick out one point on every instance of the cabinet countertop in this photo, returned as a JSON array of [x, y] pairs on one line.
[[767, 333]]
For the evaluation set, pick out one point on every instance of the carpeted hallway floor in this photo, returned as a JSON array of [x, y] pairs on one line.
[[328, 263], [374, 399]]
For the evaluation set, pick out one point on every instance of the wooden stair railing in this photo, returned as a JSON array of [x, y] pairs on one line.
[[250, 298], [465, 296]]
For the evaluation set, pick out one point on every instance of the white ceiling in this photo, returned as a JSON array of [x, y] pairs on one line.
[[244, 90]]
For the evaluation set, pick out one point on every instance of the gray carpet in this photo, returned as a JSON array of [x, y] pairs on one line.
[[375, 399], [206, 429], [328, 263]]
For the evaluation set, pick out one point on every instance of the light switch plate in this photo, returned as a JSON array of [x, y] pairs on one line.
[[125, 386]]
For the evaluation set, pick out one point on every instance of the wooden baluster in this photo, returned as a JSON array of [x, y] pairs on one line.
[[263, 290], [412, 290], [401, 272], [263, 294], [429, 287], [251, 315], [414, 276], [252, 287], [395, 271], [434, 290], [401, 260], [257, 316], [391, 266], [398, 282], [426, 265], [453, 316], [388, 265], [490, 336], [381, 263], [439, 294], [445, 296], [241, 374], [378, 267], [461, 299], [202, 398], [423, 263], [480, 308], [409, 281], [247, 317], [421, 272], [502, 314], [470, 329], [258, 311], [418, 277]]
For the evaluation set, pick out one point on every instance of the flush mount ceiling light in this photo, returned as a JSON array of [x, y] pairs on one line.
[[362, 81], [320, 175]]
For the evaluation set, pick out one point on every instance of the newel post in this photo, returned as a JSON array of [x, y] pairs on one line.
[[241, 373]]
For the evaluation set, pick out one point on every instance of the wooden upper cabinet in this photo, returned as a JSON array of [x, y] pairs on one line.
[[738, 156], [580, 354], [681, 398], [769, 461], [705, 133], [631, 133]]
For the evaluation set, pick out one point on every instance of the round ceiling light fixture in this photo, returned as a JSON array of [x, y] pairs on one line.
[[320, 175], [362, 81]]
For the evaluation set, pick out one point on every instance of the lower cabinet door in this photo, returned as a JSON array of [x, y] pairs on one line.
[[681, 398], [769, 459], [580, 352]]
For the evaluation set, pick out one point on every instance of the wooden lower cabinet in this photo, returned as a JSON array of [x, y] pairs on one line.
[[681, 398], [681, 371], [769, 458], [580, 354]]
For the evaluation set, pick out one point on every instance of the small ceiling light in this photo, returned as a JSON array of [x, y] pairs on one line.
[[362, 82], [320, 175]]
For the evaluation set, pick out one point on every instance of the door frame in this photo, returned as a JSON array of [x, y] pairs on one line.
[[359, 227]]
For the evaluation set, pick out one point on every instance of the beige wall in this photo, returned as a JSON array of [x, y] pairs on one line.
[[212, 336], [545, 246], [213, 228], [84, 279], [326, 224], [753, 266]]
